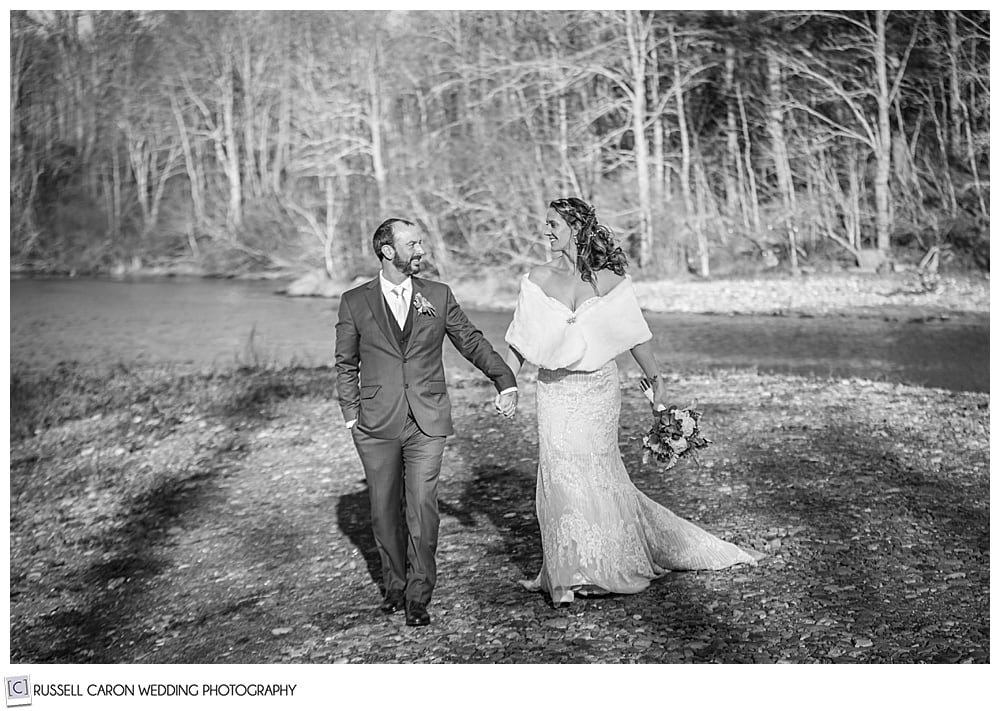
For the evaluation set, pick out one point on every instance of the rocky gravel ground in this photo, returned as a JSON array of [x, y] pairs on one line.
[[159, 516]]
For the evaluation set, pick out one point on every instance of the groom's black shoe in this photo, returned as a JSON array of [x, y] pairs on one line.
[[393, 602], [416, 614]]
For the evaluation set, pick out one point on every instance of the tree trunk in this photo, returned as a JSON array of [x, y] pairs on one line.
[[690, 218], [636, 34], [702, 196], [948, 189], [659, 166], [283, 144], [251, 170], [228, 152], [194, 175], [974, 164], [330, 235], [733, 171], [161, 186], [139, 156], [682, 126], [883, 150], [751, 176], [854, 169], [263, 149], [375, 128], [115, 216], [779, 154], [955, 131]]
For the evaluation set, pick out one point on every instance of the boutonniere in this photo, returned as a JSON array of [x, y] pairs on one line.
[[423, 306]]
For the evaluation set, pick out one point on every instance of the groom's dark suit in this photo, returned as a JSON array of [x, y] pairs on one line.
[[391, 380]]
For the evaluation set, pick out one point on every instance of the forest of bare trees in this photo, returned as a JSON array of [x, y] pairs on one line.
[[709, 140]]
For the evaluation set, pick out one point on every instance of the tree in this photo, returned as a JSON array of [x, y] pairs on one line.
[[858, 81], [289, 135]]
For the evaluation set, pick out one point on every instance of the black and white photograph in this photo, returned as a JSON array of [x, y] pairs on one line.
[[496, 337]]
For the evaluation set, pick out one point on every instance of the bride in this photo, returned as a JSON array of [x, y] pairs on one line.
[[574, 315]]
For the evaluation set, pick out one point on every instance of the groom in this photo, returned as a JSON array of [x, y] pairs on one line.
[[391, 386]]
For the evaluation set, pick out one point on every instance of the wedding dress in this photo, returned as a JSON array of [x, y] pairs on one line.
[[599, 533]]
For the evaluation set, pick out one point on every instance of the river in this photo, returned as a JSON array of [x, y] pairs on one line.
[[213, 323]]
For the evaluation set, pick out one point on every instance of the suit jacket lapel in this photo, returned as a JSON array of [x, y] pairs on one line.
[[418, 320], [376, 302]]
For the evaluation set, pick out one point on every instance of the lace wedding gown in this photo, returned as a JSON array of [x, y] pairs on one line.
[[600, 533]]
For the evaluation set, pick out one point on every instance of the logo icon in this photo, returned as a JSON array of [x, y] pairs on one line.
[[18, 691]]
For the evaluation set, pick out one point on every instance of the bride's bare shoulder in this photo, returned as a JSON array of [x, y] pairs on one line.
[[541, 273]]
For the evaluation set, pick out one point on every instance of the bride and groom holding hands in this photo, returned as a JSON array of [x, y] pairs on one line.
[[574, 316]]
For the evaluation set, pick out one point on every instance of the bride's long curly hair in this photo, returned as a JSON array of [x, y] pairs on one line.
[[596, 247]]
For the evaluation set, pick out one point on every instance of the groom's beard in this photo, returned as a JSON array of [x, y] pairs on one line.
[[407, 267]]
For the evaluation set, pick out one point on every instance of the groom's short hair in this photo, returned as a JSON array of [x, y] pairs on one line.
[[385, 234]]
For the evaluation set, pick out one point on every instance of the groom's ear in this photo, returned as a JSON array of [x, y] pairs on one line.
[[385, 254]]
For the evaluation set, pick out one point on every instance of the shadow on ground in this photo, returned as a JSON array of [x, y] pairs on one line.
[[355, 521], [132, 556]]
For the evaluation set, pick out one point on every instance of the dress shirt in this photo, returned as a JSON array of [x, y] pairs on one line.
[[392, 299]]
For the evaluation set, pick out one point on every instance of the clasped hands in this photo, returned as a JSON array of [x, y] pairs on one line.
[[506, 404]]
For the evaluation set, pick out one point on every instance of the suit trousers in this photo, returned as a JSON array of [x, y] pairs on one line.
[[402, 476]]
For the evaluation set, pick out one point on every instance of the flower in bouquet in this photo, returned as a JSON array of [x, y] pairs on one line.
[[674, 434]]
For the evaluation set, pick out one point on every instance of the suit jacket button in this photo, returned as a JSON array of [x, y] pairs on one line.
[[406, 386]]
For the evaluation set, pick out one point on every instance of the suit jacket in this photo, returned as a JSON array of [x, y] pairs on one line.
[[380, 378]]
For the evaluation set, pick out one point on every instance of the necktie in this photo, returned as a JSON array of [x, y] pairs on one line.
[[399, 305]]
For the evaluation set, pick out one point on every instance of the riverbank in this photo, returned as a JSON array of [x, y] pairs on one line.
[[894, 296], [159, 516], [897, 295]]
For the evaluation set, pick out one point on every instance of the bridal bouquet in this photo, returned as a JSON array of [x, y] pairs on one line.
[[675, 433]]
